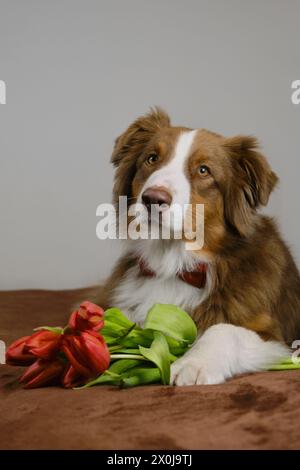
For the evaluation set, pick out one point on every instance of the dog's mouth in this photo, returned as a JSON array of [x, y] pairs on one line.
[[156, 215]]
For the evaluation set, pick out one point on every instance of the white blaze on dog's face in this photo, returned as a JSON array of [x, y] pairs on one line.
[[168, 188]]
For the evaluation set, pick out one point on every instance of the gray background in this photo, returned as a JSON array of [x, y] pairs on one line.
[[78, 72]]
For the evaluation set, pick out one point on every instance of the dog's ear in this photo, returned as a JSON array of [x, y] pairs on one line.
[[251, 183], [130, 145]]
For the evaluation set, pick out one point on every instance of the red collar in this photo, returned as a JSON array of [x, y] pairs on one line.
[[195, 278]]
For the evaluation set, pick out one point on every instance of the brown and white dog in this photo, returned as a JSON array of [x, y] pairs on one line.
[[247, 300]]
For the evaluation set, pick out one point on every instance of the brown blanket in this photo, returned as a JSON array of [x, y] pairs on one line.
[[260, 411]]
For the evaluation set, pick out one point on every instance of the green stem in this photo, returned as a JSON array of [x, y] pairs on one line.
[[128, 356], [285, 366]]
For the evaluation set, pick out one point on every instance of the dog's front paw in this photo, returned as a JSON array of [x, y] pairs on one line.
[[189, 370]]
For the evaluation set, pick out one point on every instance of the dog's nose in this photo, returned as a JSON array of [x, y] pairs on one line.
[[159, 196]]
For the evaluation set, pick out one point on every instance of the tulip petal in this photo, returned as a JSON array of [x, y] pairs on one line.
[[44, 344], [71, 347], [92, 308], [71, 378], [16, 354], [32, 371], [72, 320], [88, 317], [42, 373], [96, 350]]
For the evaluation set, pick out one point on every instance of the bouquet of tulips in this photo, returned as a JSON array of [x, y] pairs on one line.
[[98, 347]]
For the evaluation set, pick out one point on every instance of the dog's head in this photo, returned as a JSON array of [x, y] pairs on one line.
[[159, 164]]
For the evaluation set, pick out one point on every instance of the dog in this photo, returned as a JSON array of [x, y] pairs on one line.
[[242, 288]]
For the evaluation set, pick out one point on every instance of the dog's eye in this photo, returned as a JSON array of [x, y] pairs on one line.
[[152, 158], [203, 170]]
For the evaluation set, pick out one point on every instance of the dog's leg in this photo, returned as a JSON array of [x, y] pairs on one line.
[[224, 351]]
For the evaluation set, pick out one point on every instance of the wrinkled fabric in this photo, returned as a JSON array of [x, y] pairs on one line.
[[259, 411]]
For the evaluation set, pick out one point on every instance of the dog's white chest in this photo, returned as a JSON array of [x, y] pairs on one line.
[[136, 294]]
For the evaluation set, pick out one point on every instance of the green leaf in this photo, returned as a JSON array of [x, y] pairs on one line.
[[121, 350], [136, 338], [114, 348], [159, 354], [107, 378], [114, 315], [112, 375], [172, 357], [109, 339], [123, 365], [172, 321], [113, 329], [113, 333], [177, 347], [286, 364], [55, 329], [141, 376]]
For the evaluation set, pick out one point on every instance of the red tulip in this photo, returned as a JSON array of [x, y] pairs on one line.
[[17, 353], [88, 317], [44, 344], [69, 356], [71, 378], [42, 373], [87, 353]]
